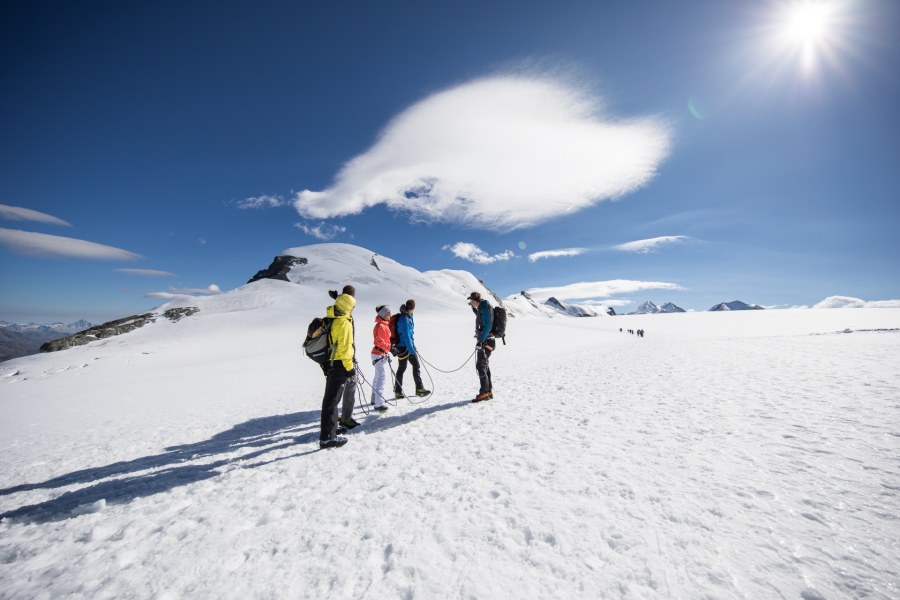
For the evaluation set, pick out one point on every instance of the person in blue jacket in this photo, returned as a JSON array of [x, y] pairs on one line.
[[406, 350], [484, 344]]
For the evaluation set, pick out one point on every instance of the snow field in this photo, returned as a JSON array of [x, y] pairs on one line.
[[735, 455]]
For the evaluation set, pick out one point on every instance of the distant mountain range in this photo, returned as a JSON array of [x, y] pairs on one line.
[[313, 270], [735, 305], [649, 308], [21, 340], [523, 304]]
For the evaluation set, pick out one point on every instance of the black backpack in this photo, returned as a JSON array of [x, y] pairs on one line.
[[317, 344], [498, 327]]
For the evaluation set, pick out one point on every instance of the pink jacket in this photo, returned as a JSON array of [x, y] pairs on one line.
[[382, 335]]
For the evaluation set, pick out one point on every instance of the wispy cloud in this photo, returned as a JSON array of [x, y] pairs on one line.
[[499, 152], [323, 231], [42, 244], [851, 302], [473, 253], [178, 293], [264, 201], [599, 289], [652, 244], [607, 302], [536, 256], [145, 272], [17, 213]]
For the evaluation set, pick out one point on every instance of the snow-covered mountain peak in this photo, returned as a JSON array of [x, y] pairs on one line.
[[649, 308], [299, 279], [735, 305], [52, 328], [381, 280], [669, 307], [523, 303], [646, 308]]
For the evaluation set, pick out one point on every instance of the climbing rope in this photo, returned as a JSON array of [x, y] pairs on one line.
[[454, 370], [363, 403]]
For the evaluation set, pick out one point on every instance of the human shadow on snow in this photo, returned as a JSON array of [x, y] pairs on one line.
[[264, 435]]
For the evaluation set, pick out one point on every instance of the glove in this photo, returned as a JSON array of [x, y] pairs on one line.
[[394, 350], [351, 373]]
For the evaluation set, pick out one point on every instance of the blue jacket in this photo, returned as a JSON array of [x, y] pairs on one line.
[[484, 320], [406, 329]]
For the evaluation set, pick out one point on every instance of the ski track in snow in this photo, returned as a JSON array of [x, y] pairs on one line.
[[694, 466]]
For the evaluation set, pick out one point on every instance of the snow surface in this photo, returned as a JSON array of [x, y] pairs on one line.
[[725, 455]]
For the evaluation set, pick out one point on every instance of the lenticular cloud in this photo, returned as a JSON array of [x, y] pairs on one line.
[[505, 152]]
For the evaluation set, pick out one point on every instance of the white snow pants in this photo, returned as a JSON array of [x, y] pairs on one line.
[[380, 361]]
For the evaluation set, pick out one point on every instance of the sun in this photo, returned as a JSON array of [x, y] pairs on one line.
[[808, 31], [807, 23]]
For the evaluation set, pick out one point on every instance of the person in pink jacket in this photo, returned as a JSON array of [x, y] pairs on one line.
[[381, 355]]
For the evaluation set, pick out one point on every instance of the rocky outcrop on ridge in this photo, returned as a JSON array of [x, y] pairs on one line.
[[114, 328], [279, 269]]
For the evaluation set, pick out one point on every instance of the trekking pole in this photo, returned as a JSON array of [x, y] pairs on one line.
[[371, 387], [360, 392], [393, 378]]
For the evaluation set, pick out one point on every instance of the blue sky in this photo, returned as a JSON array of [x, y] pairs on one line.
[[759, 152]]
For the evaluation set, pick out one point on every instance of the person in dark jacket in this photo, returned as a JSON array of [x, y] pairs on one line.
[[348, 389], [484, 344], [406, 350], [342, 369]]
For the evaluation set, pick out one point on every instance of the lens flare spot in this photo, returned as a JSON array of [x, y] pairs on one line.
[[696, 108]]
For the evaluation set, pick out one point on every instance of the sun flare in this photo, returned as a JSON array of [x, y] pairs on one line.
[[808, 31], [807, 23]]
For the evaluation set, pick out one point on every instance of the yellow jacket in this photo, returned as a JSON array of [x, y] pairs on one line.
[[343, 347]]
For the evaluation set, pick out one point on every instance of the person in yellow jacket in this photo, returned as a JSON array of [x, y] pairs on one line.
[[341, 376]]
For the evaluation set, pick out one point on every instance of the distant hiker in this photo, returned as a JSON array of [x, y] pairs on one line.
[[381, 355], [484, 344], [341, 377], [406, 350]]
